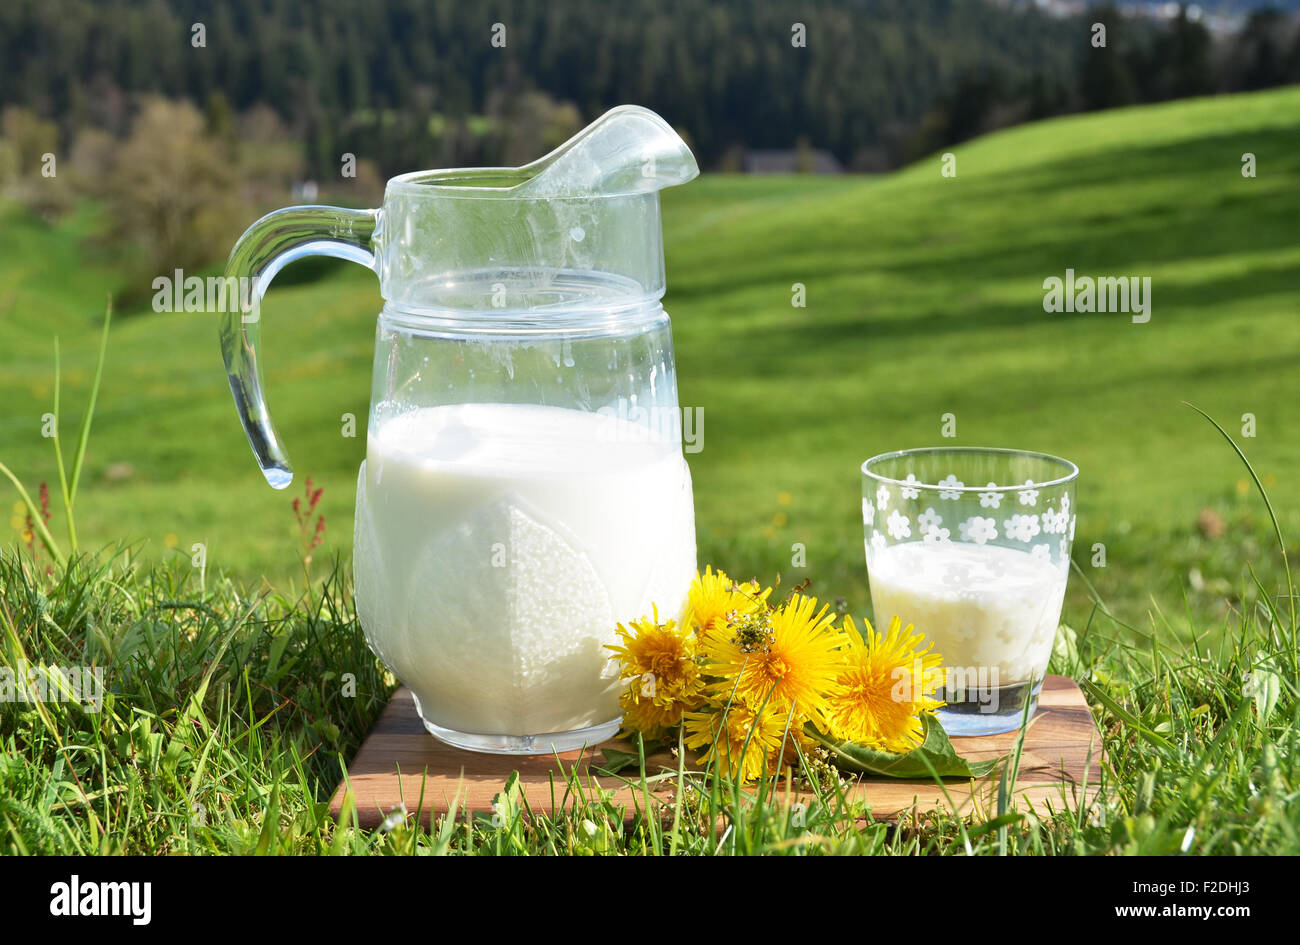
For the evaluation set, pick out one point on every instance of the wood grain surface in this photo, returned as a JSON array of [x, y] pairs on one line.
[[400, 763]]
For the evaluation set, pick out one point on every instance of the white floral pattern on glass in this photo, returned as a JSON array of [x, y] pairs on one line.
[[991, 500], [1028, 495], [908, 491], [1065, 503], [1021, 527], [1041, 552], [1070, 534], [868, 511], [929, 519], [882, 498], [936, 535], [877, 542], [898, 526], [953, 484], [956, 575], [978, 529], [1054, 523]]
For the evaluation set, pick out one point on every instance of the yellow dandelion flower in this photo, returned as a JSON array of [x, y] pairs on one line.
[[643, 714], [884, 687], [715, 599], [659, 660], [664, 650], [739, 740], [791, 652]]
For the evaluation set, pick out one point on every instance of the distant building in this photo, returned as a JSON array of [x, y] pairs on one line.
[[793, 161]]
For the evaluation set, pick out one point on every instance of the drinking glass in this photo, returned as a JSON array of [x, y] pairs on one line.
[[972, 546]]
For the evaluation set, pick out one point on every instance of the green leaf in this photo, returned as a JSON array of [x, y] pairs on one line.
[[997, 823], [1265, 687], [616, 761], [934, 757]]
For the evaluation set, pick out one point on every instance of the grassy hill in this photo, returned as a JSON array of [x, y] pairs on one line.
[[924, 297]]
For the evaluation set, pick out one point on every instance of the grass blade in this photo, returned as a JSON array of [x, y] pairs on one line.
[[1277, 528], [83, 435], [37, 520], [58, 448]]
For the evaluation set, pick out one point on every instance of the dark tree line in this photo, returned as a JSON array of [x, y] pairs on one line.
[[1143, 60], [414, 83]]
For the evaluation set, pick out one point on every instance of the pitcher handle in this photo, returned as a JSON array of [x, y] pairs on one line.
[[266, 247]]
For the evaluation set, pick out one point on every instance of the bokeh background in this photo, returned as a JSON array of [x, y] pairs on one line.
[[821, 127]]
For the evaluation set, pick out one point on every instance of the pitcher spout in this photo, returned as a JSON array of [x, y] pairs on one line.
[[629, 149]]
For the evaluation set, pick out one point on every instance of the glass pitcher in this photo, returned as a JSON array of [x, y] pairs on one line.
[[524, 489]]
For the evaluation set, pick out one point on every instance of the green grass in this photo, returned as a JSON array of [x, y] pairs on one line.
[[229, 718], [923, 297]]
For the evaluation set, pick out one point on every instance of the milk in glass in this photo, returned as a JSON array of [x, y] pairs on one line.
[[984, 606]]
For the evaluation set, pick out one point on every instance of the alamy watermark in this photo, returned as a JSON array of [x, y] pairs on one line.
[[976, 685], [633, 423], [78, 897], [1101, 294], [212, 294], [29, 682]]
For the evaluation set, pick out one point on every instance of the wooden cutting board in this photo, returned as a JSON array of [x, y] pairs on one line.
[[400, 763]]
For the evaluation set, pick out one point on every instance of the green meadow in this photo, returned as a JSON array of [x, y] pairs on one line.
[[922, 296], [224, 728]]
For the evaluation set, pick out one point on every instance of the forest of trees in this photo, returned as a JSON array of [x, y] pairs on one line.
[[243, 98], [415, 83]]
